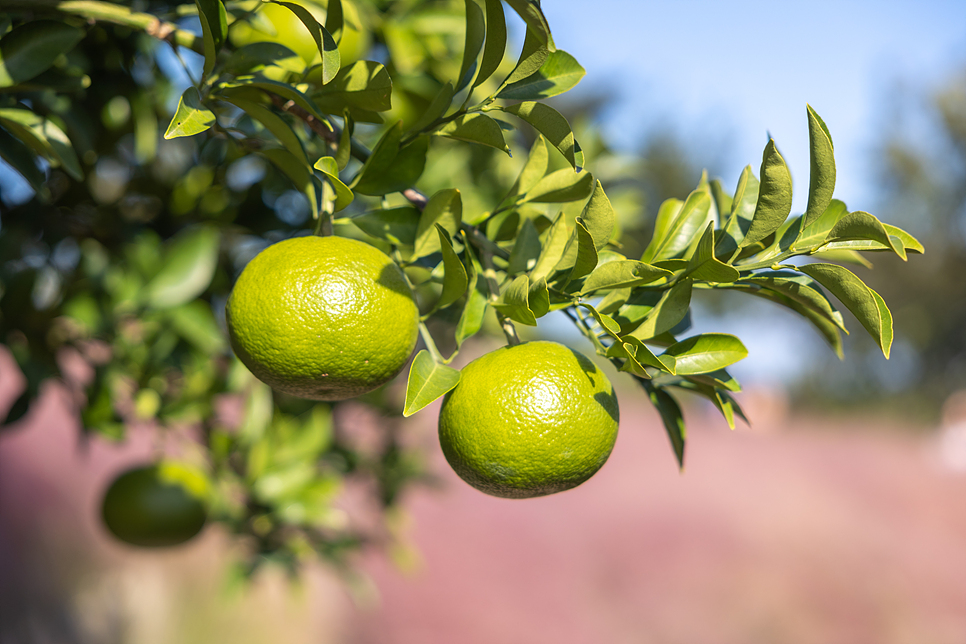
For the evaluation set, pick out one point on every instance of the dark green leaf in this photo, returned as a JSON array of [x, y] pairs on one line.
[[189, 264], [476, 128], [274, 123], [22, 160], [328, 49], [214, 29], [821, 181], [454, 275], [526, 249], [389, 168], [774, 197], [363, 84], [580, 256], [866, 305], [334, 21], [44, 137], [285, 90], [428, 380], [550, 123], [32, 47], [530, 11], [705, 353], [666, 314], [475, 35], [344, 152], [672, 418], [559, 73], [436, 109], [258, 55], [532, 56], [444, 208], [495, 45], [395, 225]]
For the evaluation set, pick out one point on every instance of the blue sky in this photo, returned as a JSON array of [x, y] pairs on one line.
[[748, 68]]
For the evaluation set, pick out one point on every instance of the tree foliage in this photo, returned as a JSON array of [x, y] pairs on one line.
[[165, 149]]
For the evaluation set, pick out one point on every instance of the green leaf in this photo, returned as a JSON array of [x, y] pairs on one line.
[[580, 256], [514, 302], [285, 90], [428, 380], [799, 288], [334, 20], [364, 84], [436, 109], [272, 122], [196, 323], [298, 171], [444, 208], [606, 322], [191, 117], [828, 329], [389, 168], [344, 151], [330, 168], [622, 273], [678, 228], [495, 46], [561, 186], [454, 275], [815, 233], [666, 314], [703, 266], [394, 225], [43, 136], [599, 217], [530, 11], [550, 123], [722, 200], [843, 255], [720, 379], [866, 305], [476, 128], [742, 210], [538, 298], [821, 181], [553, 249], [559, 73], [645, 356], [861, 226], [475, 35], [526, 249], [214, 29], [189, 264], [672, 418], [32, 47], [774, 197], [532, 56], [22, 160], [471, 320], [328, 49], [259, 55], [63, 150], [706, 352], [533, 170], [908, 242]]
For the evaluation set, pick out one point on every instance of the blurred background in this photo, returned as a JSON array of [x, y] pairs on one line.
[[836, 516]]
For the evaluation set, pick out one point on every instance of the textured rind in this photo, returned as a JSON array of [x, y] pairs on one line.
[[324, 318], [529, 420]]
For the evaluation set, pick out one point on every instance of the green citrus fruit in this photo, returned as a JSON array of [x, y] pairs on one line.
[[158, 505], [325, 318], [529, 420]]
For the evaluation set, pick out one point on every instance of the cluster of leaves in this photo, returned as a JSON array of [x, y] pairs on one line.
[[492, 240]]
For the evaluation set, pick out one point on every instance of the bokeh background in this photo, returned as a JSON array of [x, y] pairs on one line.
[[838, 515]]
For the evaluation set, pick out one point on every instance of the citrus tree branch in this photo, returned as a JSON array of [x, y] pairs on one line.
[[96, 11]]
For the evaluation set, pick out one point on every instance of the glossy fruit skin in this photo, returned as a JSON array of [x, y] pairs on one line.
[[529, 420], [155, 506], [323, 318]]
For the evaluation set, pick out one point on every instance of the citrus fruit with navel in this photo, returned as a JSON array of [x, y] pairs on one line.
[[529, 420], [156, 505], [324, 318]]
